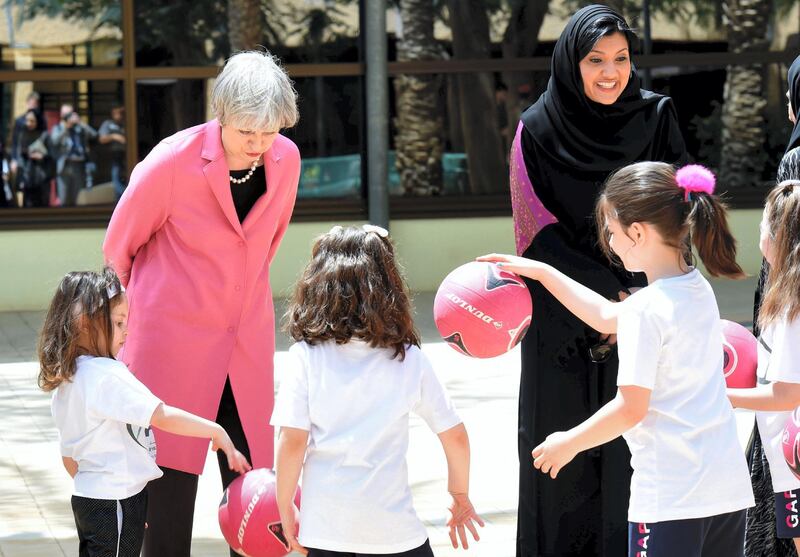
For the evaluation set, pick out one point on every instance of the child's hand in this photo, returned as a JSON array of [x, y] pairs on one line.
[[290, 528], [515, 264], [462, 515], [236, 460], [70, 465], [555, 453]]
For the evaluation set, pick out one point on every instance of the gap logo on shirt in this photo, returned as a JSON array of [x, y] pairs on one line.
[[792, 519], [644, 537], [144, 437]]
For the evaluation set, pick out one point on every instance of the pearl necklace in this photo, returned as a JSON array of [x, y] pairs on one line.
[[246, 177]]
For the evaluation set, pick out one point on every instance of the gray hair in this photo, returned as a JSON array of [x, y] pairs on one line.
[[253, 92]]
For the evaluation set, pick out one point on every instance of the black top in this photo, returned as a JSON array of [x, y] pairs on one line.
[[245, 195], [570, 145], [794, 100], [19, 126]]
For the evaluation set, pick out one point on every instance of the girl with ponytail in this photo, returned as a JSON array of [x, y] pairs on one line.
[[778, 392], [690, 485]]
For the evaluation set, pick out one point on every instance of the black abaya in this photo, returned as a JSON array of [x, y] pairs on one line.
[[570, 146]]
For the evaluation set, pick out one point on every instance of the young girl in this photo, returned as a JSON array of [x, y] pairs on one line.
[[343, 406], [690, 484], [103, 414], [779, 349]]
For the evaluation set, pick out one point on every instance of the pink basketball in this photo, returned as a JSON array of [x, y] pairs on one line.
[[791, 442], [482, 310], [739, 347], [248, 515]]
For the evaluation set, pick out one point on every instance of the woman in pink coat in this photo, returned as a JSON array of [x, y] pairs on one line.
[[192, 239]]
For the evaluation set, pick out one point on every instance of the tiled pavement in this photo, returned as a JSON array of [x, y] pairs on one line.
[[36, 521]]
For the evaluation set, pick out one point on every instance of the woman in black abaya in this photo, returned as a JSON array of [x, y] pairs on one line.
[[592, 119]]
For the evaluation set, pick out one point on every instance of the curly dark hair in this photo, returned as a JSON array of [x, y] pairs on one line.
[[352, 288], [80, 295]]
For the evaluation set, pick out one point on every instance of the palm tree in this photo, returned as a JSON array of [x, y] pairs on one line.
[[245, 24], [743, 122], [418, 137], [519, 41], [469, 22]]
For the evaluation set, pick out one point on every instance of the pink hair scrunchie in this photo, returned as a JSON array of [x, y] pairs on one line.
[[695, 178]]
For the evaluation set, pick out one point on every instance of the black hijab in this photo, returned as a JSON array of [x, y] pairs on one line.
[[579, 133], [794, 101], [570, 145]]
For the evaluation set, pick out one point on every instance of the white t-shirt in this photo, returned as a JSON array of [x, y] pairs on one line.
[[778, 361], [103, 420], [686, 457], [355, 401]]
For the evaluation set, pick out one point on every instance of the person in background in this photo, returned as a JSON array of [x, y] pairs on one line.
[[32, 103], [112, 133], [30, 163], [70, 139]]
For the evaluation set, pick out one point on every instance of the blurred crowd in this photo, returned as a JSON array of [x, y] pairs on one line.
[[49, 165]]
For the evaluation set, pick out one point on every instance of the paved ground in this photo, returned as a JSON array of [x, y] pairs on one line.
[[36, 521]]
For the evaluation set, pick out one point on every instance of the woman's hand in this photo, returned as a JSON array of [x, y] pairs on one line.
[[463, 516], [290, 529], [520, 265], [237, 462], [555, 453]]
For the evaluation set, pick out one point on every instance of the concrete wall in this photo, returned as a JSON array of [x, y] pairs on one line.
[[744, 224], [34, 261]]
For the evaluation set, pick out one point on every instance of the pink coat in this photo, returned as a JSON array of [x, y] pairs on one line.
[[198, 284]]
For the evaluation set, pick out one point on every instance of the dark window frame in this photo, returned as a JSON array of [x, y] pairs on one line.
[[334, 209]]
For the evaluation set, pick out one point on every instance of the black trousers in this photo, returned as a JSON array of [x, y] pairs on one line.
[[170, 513], [422, 551], [714, 536], [110, 527]]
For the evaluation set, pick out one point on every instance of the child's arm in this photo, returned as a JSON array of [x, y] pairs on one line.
[[456, 449], [775, 397], [626, 410], [589, 306], [175, 420], [292, 444], [70, 465]]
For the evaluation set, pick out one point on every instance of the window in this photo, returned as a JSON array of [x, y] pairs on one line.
[[458, 82]]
